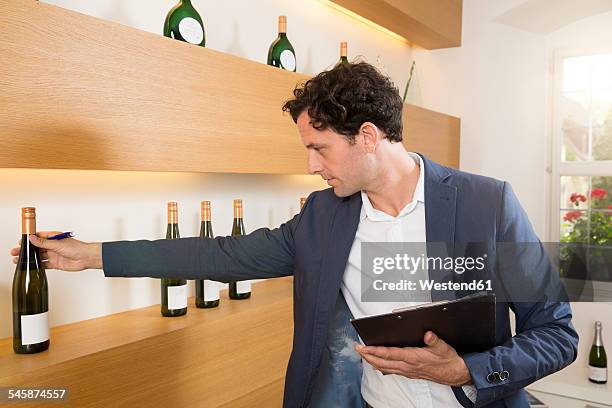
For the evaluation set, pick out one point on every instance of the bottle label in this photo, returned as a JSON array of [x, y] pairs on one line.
[[177, 297], [191, 30], [243, 286], [34, 328], [598, 373], [211, 291], [287, 60]]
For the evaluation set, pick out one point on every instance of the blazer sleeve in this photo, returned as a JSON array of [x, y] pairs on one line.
[[545, 340], [264, 253]]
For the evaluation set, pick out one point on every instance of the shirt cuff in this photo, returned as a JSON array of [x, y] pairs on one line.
[[470, 392]]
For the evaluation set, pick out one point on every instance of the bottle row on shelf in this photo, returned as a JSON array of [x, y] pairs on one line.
[[30, 292]]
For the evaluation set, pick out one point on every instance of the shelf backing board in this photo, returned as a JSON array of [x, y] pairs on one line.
[[78, 92]]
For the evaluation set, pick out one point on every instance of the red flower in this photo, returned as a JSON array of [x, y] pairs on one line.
[[576, 198], [599, 193], [610, 207], [572, 216]]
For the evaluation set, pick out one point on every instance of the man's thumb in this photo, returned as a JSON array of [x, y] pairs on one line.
[[431, 339], [42, 242]]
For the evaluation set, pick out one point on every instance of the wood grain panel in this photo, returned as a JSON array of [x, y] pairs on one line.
[[77, 92], [139, 358], [431, 24], [434, 134]]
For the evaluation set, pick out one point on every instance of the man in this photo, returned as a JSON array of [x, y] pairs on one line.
[[350, 120]]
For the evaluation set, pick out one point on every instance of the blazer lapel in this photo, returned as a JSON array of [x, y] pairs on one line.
[[440, 210]]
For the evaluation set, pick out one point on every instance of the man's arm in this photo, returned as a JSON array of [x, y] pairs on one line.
[[264, 253], [545, 339]]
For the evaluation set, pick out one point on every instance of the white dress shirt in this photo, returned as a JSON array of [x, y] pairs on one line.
[[392, 391]]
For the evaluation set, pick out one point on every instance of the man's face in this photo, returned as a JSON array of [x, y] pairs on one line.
[[343, 165]]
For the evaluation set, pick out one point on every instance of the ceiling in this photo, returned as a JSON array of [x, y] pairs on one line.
[[546, 16]]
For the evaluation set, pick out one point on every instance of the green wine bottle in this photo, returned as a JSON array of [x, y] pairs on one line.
[[240, 289], [30, 293], [173, 291], [598, 362], [281, 53], [207, 291], [184, 23], [343, 53]]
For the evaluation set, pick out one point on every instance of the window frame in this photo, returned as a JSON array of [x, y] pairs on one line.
[[558, 168]]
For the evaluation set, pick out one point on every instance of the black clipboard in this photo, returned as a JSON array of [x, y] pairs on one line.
[[467, 324]]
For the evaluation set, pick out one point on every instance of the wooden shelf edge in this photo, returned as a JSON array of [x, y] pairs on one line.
[[79, 339], [428, 24]]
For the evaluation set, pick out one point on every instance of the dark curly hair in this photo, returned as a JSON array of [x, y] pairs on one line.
[[345, 97]]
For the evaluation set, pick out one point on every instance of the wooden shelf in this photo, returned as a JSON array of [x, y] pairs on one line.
[[77, 92], [139, 358], [431, 24]]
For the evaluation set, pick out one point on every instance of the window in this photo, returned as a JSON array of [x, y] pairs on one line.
[[582, 163]]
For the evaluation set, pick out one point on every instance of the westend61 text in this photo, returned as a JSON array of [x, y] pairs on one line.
[[429, 285]]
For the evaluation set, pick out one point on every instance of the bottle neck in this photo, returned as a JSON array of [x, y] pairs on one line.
[[238, 226], [187, 2], [598, 341], [28, 226], [206, 229], [172, 231]]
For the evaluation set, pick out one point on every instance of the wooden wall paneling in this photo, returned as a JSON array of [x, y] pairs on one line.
[[434, 134], [77, 92]]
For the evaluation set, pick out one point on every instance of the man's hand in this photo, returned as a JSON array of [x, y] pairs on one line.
[[66, 254], [437, 361]]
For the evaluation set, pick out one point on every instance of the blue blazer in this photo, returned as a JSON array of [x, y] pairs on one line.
[[314, 248]]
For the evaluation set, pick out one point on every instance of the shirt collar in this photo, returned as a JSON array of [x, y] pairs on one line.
[[368, 211]]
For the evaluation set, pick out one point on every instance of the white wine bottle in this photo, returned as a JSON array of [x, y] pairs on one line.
[[173, 291], [598, 362], [30, 293], [281, 53], [207, 291], [184, 23], [240, 289]]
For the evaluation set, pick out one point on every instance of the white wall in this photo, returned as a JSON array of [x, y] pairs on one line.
[[498, 82], [103, 206]]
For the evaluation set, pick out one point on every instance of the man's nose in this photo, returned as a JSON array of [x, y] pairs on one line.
[[314, 166]]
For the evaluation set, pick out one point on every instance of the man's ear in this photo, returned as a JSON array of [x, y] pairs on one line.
[[370, 134]]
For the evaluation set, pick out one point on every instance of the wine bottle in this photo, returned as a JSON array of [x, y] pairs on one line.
[[184, 23], [207, 291], [30, 293], [343, 53], [240, 289], [598, 362], [173, 291], [281, 53]]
